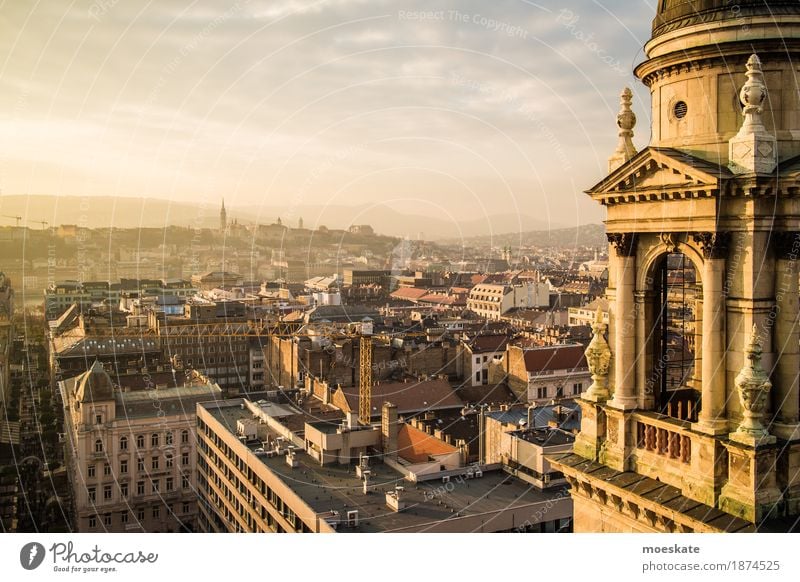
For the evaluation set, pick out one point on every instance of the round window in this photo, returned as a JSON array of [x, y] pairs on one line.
[[679, 109]]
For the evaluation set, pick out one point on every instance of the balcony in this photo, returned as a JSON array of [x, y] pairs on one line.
[[666, 438]]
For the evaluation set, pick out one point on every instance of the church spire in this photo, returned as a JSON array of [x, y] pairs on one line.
[[223, 217]]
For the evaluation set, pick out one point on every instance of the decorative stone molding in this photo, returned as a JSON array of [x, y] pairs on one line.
[[624, 243], [669, 241], [626, 121], [753, 149], [787, 245], [713, 244], [753, 386], [598, 357]]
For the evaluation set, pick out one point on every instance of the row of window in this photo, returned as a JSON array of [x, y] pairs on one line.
[[155, 440], [124, 516], [542, 391], [155, 463], [155, 487]]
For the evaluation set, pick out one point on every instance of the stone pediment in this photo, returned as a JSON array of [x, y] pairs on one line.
[[659, 172]]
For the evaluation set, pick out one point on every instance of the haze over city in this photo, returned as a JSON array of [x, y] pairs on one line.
[[460, 110]]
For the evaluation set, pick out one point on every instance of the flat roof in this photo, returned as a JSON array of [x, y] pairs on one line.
[[336, 487]]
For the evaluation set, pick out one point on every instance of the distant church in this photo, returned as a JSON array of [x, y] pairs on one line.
[[691, 423]]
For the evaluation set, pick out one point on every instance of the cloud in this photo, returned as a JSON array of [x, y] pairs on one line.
[[172, 96]]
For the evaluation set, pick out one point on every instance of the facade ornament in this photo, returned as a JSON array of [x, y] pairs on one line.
[[713, 244], [753, 386], [598, 356], [626, 121], [787, 245], [623, 242], [753, 149], [668, 240]]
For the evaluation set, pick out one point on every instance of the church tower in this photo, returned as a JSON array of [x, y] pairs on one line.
[[691, 423], [223, 218]]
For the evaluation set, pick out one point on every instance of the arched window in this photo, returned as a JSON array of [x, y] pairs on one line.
[[98, 446], [676, 362], [154, 439], [184, 436], [123, 443], [140, 441]]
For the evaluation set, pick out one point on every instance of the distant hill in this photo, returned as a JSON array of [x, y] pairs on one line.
[[586, 235], [105, 211]]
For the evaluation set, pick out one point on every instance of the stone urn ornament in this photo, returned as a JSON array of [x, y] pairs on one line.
[[598, 356], [753, 386]]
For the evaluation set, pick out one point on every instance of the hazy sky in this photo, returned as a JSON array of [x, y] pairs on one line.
[[467, 108]]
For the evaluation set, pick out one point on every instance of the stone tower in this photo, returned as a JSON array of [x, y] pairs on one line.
[[698, 427]]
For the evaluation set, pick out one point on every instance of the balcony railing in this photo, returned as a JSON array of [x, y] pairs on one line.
[[663, 438]]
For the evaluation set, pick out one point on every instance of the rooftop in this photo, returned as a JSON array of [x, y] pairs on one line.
[[337, 488]]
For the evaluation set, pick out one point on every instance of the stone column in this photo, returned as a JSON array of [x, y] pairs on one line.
[[625, 397], [712, 418], [786, 395], [645, 390]]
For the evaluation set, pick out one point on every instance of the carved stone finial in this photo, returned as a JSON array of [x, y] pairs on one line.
[[753, 149], [753, 385], [598, 357], [626, 121]]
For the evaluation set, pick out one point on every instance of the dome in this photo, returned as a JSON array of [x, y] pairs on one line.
[[674, 14], [94, 385]]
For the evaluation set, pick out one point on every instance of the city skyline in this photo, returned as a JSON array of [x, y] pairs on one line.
[[452, 109]]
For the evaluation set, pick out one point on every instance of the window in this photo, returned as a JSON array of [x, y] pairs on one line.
[[184, 459], [156, 486], [168, 438], [98, 446], [107, 469], [107, 520], [140, 441], [123, 466], [93, 521], [170, 460], [123, 443], [154, 463], [477, 376], [478, 360], [577, 388], [185, 508], [184, 482], [140, 464], [154, 440], [107, 492], [123, 517], [156, 512], [140, 515], [680, 109], [184, 436], [541, 392], [169, 484], [90, 471], [140, 488], [123, 490], [559, 391], [98, 419], [92, 494]]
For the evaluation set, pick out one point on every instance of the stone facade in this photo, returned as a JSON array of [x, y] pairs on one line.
[[645, 461]]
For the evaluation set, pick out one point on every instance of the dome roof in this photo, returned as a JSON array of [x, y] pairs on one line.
[[673, 14], [94, 385]]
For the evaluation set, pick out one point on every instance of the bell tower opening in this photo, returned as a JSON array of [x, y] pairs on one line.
[[675, 330]]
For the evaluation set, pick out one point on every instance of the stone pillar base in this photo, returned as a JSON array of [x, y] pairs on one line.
[[785, 431], [624, 403], [752, 440], [711, 427], [751, 491]]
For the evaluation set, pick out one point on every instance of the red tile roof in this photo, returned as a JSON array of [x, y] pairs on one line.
[[416, 446], [409, 293], [555, 358], [488, 343]]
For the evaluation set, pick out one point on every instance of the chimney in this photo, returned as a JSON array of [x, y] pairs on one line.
[[389, 429], [352, 420]]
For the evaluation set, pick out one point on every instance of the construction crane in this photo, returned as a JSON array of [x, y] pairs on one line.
[[365, 379], [17, 218], [44, 223]]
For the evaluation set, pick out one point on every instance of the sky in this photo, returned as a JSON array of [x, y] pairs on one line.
[[460, 109]]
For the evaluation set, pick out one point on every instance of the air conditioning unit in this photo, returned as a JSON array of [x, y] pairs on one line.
[[446, 479], [352, 518]]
